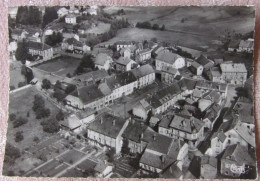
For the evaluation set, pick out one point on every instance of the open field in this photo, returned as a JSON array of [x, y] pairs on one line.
[[20, 104], [60, 66], [99, 29], [15, 74], [72, 156], [192, 27]]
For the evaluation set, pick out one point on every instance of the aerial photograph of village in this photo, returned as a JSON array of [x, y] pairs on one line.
[[131, 92]]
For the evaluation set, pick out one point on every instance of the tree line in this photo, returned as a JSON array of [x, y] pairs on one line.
[[148, 25]]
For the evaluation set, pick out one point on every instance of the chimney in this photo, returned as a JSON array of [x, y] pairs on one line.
[[114, 122], [105, 161], [142, 135], [154, 137], [163, 158], [101, 120]]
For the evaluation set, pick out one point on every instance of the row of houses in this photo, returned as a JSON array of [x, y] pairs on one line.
[[111, 88]]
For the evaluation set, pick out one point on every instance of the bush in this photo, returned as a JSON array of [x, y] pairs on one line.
[[19, 122], [60, 116], [46, 84], [43, 113], [18, 136], [12, 117], [12, 152], [50, 126], [21, 84], [36, 139]]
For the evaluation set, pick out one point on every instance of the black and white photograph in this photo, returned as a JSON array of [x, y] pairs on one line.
[[131, 92]]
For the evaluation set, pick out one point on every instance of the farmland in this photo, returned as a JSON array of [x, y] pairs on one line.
[[194, 28]]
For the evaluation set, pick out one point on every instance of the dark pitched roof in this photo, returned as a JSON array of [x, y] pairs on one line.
[[38, 45], [209, 160], [244, 109], [143, 71], [194, 167], [88, 94], [172, 172], [73, 41], [187, 84], [160, 143], [134, 131], [167, 56], [120, 80], [220, 135], [123, 61], [239, 154], [108, 125], [204, 61], [186, 124], [163, 95]]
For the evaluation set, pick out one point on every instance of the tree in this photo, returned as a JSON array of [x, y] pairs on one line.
[[50, 126], [38, 103], [43, 113], [86, 64], [21, 52], [60, 116], [11, 151], [156, 27], [21, 84], [59, 95], [12, 117], [18, 136], [19, 122], [34, 15], [70, 88], [49, 16], [54, 39], [46, 84], [163, 28]]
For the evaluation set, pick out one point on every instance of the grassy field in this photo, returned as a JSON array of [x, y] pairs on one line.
[[60, 66], [21, 103], [72, 156], [15, 74], [99, 29], [192, 27]]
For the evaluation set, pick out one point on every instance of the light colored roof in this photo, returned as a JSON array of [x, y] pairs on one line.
[[167, 56], [102, 58], [123, 60], [72, 122], [70, 16], [209, 160], [246, 44], [143, 71], [233, 67]]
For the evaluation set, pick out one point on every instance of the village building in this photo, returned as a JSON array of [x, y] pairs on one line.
[[137, 135], [172, 172], [208, 167], [236, 161], [233, 45], [86, 97], [123, 44], [205, 62], [71, 19], [154, 120], [125, 64], [186, 128], [90, 78], [206, 86], [75, 46], [19, 34], [125, 52], [145, 75], [196, 68], [233, 73], [106, 131], [211, 115], [249, 83], [62, 12], [103, 168], [143, 55], [162, 152], [103, 61], [40, 49], [166, 58], [246, 46], [169, 74], [142, 109]]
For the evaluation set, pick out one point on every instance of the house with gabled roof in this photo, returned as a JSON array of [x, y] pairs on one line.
[[141, 109], [205, 62], [86, 97], [196, 68], [161, 152], [233, 73], [106, 131], [208, 167], [71, 19], [143, 55], [103, 61], [73, 44], [124, 64], [145, 75], [62, 12], [236, 161], [246, 46], [165, 58], [168, 75], [186, 128], [172, 172], [40, 49]]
